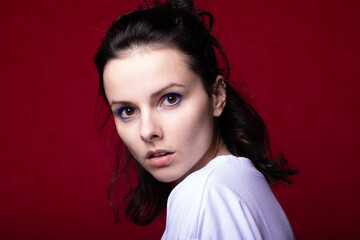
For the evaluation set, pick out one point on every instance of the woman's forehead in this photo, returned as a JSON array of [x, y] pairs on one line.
[[160, 61], [146, 72]]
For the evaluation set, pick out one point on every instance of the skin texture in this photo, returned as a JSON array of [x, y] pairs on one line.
[[164, 109]]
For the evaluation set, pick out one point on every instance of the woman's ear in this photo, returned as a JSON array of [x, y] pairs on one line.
[[219, 95]]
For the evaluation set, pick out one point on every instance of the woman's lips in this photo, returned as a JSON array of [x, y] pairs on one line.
[[160, 158]]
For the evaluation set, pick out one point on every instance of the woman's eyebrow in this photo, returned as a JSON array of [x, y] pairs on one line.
[[125, 103], [157, 93]]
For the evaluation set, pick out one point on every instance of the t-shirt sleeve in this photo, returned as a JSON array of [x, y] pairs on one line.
[[211, 212], [226, 206], [224, 214]]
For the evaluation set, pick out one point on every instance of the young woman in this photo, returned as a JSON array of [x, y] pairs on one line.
[[201, 150]]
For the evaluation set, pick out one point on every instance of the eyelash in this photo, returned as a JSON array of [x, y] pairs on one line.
[[178, 100], [119, 112]]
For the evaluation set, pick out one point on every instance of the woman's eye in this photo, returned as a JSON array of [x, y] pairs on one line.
[[171, 99], [125, 112]]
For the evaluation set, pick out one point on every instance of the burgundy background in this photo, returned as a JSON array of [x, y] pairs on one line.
[[300, 60]]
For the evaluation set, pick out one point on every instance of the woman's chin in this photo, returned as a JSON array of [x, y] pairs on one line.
[[166, 177]]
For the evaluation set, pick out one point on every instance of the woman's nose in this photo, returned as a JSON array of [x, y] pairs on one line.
[[150, 129]]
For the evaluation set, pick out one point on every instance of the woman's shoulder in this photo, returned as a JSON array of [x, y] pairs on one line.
[[231, 176], [229, 195], [222, 171], [228, 168], [236, 174]]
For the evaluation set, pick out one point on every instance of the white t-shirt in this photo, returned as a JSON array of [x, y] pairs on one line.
[[227, 199]]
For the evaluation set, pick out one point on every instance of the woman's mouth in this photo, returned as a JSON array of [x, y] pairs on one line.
[[160, 158]]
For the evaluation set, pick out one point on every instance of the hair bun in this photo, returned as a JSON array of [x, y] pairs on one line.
[[184, 5], [187, 5], [181, 4]]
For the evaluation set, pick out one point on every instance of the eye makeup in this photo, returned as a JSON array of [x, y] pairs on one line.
[[170, 100], [167, 101], [125, 112]]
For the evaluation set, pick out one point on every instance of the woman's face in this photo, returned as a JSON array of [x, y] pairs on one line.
[[162, 112]]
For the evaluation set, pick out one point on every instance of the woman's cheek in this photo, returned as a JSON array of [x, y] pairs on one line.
[[128, 137]]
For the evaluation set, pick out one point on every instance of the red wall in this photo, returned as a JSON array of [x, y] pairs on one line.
[[300, 60]]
